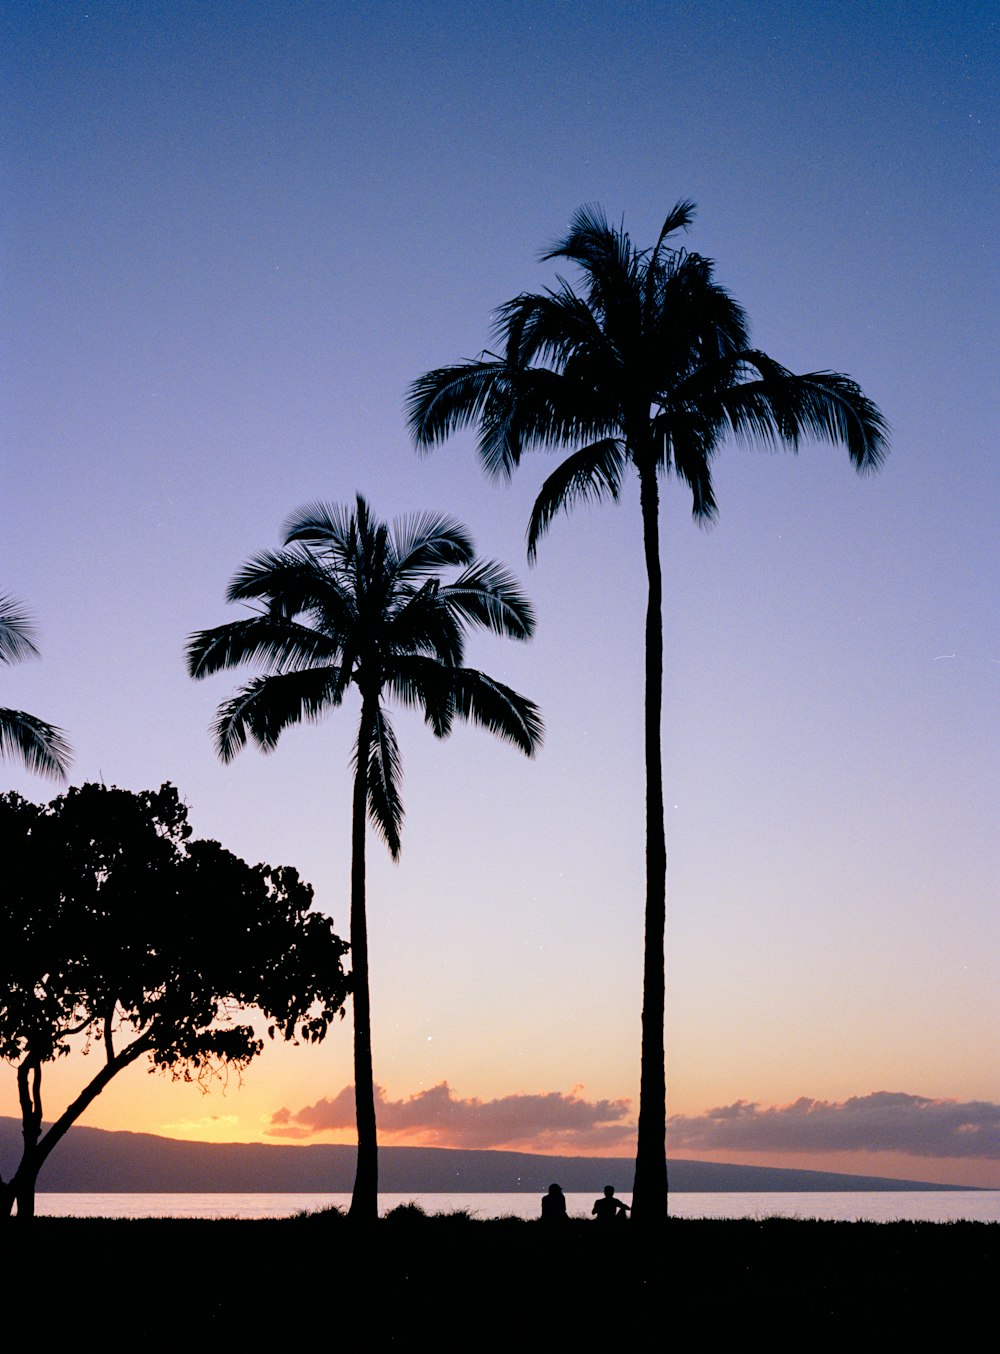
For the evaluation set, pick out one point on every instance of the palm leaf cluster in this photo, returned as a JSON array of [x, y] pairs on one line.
[[39, 745], [649, 362], [351, 602]]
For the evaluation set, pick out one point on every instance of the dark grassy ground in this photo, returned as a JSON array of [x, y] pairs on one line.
[[452, 1281]]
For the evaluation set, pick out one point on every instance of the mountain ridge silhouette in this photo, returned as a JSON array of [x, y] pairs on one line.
[[105, 1161]]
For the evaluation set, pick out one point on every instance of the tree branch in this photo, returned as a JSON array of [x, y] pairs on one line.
[[109, 1043], [90, 1093]]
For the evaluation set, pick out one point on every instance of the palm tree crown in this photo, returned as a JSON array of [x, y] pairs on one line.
[[42, 747], [351, 601], [648, 364]]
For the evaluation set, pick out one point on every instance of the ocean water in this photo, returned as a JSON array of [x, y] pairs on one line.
[[888, 1206]]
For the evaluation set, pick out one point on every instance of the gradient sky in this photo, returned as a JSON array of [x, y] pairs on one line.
[[233, 234]]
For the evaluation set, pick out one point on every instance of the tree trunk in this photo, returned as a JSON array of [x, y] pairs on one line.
[[35, 1152], [29, 1094], [649, 1205], [364, 1200], [24, 1191]]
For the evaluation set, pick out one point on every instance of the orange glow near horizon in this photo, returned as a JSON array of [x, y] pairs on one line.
[[152, 1104]]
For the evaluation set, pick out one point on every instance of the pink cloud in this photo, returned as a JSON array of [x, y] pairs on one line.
[[549, 1122], [885, 1121]]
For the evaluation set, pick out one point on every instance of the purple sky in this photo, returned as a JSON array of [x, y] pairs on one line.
[[233, 234]]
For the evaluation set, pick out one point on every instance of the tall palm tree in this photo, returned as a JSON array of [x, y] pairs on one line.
[[42, 747], [351, 601], [648, 366]]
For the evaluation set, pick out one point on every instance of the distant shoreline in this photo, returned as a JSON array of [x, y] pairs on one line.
[[835, 1206]]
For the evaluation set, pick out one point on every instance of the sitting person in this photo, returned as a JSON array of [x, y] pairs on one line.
[[609, 1208], [554, 1205]]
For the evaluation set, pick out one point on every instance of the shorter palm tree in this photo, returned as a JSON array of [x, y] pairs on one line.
[[350, 602], [42, 747]]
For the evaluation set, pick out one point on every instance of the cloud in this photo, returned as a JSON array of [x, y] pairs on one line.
[[551, 1122], [886, 1121]]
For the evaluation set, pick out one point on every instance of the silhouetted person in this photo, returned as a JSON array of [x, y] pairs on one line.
[[554, 1205], [609, 1208]]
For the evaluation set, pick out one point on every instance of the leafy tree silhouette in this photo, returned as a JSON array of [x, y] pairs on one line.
[[42, 747], [350, 602], [118, 931], [648, 365]]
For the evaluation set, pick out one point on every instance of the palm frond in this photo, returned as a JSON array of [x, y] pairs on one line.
[[423, 682], [679, 217], [443, 401], [544, 410], [40, 746], [427, 541], [489, 595], [445, 693], [589, 230], [421, 623], [690, 458], [551, 328], [265, 707], [592, 473], [690, 321], [605, 255], [258, 639], [326, 523], [833, 407], [783, 407], [16, 632], [498, 708], [291, 582], [385, 773]]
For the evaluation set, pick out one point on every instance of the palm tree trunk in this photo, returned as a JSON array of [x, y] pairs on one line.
[[364, 1200], [650, 1189]]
